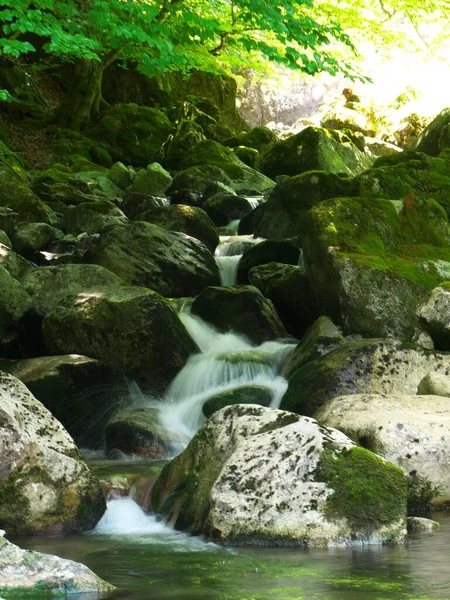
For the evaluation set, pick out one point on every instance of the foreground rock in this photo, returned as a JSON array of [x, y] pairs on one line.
[[410, 431], [434, 313], [131, 329], [24, 573], [360, 367], [311, 486], [45, 485]]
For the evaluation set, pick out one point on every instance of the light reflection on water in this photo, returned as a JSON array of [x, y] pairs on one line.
[[167, 565]]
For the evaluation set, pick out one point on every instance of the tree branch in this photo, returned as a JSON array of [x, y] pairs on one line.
[[166, 9], [385, 10]]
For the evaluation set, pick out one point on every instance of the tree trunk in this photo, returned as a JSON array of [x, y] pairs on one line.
[[84, 100]]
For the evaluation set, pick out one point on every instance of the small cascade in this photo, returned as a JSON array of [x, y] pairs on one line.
[[227, 361], [255, 201], [228, 254], [162, 201]]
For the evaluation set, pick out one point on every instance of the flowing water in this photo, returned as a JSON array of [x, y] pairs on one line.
[[147, 560], [227, 361], [228, 254]]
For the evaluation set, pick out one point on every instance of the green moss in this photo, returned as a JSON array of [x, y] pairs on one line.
[[369, 492]]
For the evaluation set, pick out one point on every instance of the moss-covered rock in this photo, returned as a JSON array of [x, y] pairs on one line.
[[27, 574], [31, 238], [211, 153], [281, 215], [242, 309], [45, 486], [187, 135], [152, 181], [77, 391], [400, 429], [315, 149], [136, 430], [197, 179], [170, 263], [121, 175], [259, 138], [279, 251], [248, 156], [14, 301], [369, 264], [224, 207], [360, 367], [248, 394], [287, 286], [93, 217], [28, 208], [312, 486], [321, 338], [132, 133], [131, 329], [16, 265], [188, 219], [429, 140], [49, 286]]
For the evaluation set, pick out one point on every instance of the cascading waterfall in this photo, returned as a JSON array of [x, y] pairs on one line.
[[227, 361], [228, 254]]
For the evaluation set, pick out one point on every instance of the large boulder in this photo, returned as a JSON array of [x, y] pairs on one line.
[[197, 179], [14, 301], [360, 367], [268, 251], [430, 138], [281, 215], [26, 206], [170, 263], [131, 329], [224, 207], [287, 286], [191, 220], [246, 394], [46, 487], [410, 431], [15, 264], [25, 573], [242, 309], [133, 133], [48, 286], [152, 181], [244, 178], [312, 486], [93, 217], [370, 262], [31, 238], [315, 149], [80, 392]]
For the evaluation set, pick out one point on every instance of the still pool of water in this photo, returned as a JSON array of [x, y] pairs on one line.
[[147, 560]]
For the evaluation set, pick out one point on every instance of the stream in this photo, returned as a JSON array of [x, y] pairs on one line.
[[147, 560]]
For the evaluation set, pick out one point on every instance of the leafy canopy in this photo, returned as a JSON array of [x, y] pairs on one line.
[[176, 34]]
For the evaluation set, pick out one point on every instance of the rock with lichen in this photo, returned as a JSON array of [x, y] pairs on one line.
[[255, 475]]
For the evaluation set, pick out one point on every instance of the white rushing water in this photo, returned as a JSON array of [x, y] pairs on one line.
[[228, 254], [227, 361]]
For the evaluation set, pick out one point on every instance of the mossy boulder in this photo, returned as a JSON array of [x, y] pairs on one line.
[[312, 486], [211, 153], [320, 338], [31, 238], [77, 391], [371, 366], [131, 329], [409, 431], [93, 217], [434, 313], [28, 208], [49, 286], [434, 384], [224, 207], [45, 485], [281, 215], [28, 574], [248, 156], [197, 179], [393, 177], [132, 133], [136, 430], [98, 184], [370, 262], [121, 175], [170, 263], [15, 264], [260, 138], [287, 286], [14, 300], [315, 149], [248, 394], [430, 138], [343, 118], [188, 219], [279, 251], [242, 309], [187, 135], [152, 181]]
